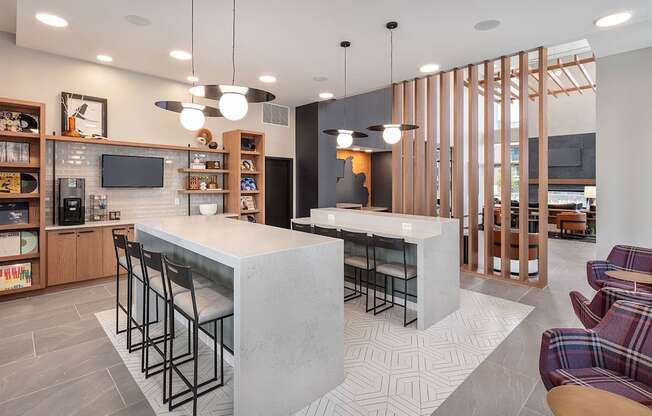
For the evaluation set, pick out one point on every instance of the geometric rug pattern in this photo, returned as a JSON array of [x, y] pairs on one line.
[[389, 370]]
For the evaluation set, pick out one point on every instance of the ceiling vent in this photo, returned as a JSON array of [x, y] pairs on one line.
[[278, 115]]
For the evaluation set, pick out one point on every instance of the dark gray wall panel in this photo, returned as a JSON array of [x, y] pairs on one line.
[[381, 179], [350, 187], [306, 147]]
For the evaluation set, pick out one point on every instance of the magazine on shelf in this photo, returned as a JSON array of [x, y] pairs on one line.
[[15, 276]]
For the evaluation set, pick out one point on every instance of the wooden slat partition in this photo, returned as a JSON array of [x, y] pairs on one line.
[[543, 167], [444, 145], [473, 173], [523, 184], [397, 151], [505, 171], [458, 152], [432, 117], [408, 148], [420, 110], [489, 141]]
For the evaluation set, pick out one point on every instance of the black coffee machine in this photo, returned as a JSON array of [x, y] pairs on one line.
[[71, 201]]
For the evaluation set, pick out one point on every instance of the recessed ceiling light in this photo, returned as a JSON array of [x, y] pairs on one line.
[[180, 55], [137, 20], [104, 58], [191, 78], [613, 19], [51, 20], [267, 79], [326, 95], [320, 78], [429, 68], [485, 25]]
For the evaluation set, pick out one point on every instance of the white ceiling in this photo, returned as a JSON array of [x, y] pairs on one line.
[[296, 40]]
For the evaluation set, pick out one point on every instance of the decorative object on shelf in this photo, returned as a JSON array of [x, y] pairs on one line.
[[233, 100], [18, 122], [10, 244], [344, 136], [203, 183], [204, 136], [590, 195], [197, 162], [213, 164], [208, 209], [15, 276], [192, 115], [28, 242], [212, 145], [193, 183], [247, 184], [247, 143], [14, 213], [212, 183], [28, 183], [247, 203], [10, 182], [392, 132], [114, 215], [250, 218], [83, 115], [99, 207], [247, 165], [14, 152]]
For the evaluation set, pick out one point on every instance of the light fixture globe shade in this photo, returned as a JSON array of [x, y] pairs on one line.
[[233, 106], [344, 140], [392, 135], [192, 119]]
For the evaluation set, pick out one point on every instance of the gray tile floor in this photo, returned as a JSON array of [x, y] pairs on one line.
[[55, 358]]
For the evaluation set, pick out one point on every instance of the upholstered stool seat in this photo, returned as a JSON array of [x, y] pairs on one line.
[[358, 261], [397, 270], [211, 304]]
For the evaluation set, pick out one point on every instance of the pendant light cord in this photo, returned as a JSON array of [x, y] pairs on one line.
[[233, 46], [192, 45]]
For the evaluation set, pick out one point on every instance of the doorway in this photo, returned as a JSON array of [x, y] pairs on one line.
[[278, 195]]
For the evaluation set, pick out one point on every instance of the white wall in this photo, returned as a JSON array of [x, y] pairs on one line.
[[573, 114], [624, 150], [37, 76]]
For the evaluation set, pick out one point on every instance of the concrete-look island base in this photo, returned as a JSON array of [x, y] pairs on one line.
[[287, 334]]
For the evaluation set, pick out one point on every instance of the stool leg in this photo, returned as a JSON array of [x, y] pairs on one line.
[[215, 348], [117, 297], [129, 293], [222, 352], [145, 324], [165, 347], [195, 340], [172, 328]]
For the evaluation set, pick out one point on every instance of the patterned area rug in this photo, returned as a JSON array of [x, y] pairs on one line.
[[390, 370]]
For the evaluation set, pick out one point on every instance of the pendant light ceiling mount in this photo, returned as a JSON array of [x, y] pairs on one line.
[[392, 131], [233, 99], [345, 136]]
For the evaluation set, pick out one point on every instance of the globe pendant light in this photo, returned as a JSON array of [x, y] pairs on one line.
[[233, 99], [192, 116], [392, 132], [344, 137]]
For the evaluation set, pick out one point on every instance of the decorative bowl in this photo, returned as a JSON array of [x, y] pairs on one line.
[[208, 209]]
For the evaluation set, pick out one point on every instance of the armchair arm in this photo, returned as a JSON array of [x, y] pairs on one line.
[[566, 348], [595, 272], [589, 313]]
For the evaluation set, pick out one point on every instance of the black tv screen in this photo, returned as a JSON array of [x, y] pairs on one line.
[[132, 172]]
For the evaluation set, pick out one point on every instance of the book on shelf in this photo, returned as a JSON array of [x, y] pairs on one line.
[[16, 243], [15, 276], [10, 182], [247, 203], [14, 213], [15, 152]]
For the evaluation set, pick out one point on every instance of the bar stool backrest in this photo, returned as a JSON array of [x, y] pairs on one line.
[[181, 275], [120, 246], [306, 228], [390, 243], [327, 232], [135, 254], [357, 238], [154, 260]]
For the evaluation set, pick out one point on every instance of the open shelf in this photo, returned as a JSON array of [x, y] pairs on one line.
[[250, 152], [199, 191], [19, 135], [212, 171], [250, 172], [19, 196], [21, 289], [249, 192], [18, 227], [11, 165], [252, 211], [19, 257], [111, 142]]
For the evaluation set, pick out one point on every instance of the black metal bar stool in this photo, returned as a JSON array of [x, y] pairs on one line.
[[326, 231], [203, 307], [361, 264], [306, 228], [393, 270]]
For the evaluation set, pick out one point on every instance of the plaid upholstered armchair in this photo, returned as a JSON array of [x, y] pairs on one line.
[[590, 313], [616, 356], [628, 258]]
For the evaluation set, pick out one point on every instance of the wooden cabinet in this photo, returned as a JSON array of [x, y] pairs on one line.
[[89, 254], [108, 251], [62, 257]]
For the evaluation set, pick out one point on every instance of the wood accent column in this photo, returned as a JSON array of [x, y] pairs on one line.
[[444, 145], [543, 167], [489, 141], [420, 178], [458, 153], [505, 163], [473, 174], [523, 182], [431, 144], [408, 148], [397, 151]]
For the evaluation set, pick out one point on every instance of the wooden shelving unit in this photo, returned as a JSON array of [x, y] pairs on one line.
[[208, 191], [111, 142], [207, 171], [35, 201], [233, 144]]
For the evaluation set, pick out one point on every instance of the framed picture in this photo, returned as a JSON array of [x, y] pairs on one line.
[[90, 114], [247, 165]]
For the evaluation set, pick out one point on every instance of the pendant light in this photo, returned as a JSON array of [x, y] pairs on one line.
[[233, 99], [192, 115], [392, 132], [344, 137]]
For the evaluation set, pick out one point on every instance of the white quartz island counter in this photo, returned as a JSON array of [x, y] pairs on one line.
[[435, 243], [288, 312]]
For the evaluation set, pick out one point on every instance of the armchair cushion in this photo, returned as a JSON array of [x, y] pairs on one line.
[[590, 313], [622, 257]]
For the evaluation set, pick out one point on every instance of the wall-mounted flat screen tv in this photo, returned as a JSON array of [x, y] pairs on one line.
[[132, 171]]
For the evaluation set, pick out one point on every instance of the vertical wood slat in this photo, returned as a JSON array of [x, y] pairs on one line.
[[543, 167], [444, 145], [397, 151], [458, 152], [420, 108], [489, 141], [505, 164], [473, 174], [408, 148], [523, 182], [431, 145]]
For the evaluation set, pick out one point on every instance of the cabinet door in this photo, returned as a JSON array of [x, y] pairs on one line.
[[61, 257], [108, 251], [89, 254]]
